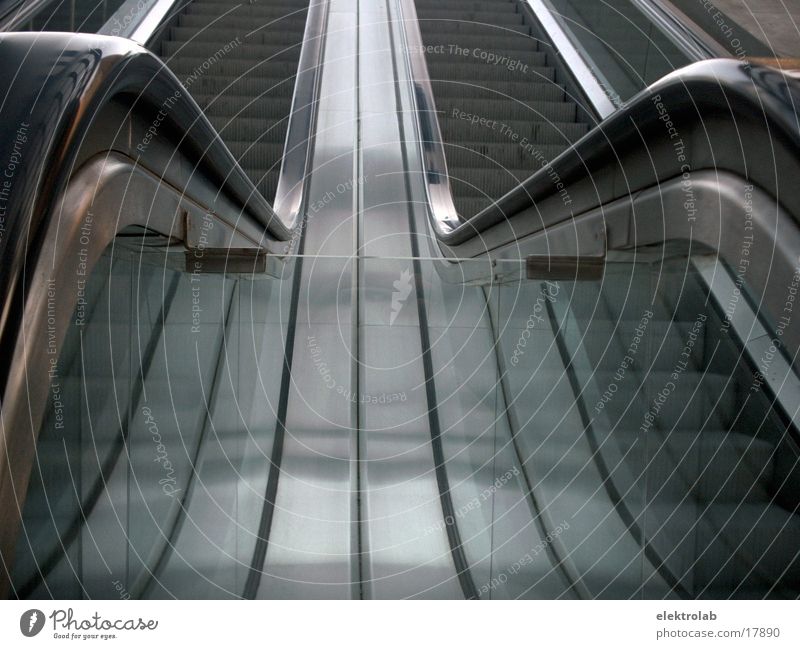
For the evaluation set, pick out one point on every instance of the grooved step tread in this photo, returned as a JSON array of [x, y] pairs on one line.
[[513, 132], [230, 66], [481, 73], [488, 17], [222, 37], [249, 129], [503, 109], [258, 106], [482, 154], [517, 90], [237, 21], [256, 10], [434, 28], [473, 5], [452, 54], [198, 49], [248, 86]]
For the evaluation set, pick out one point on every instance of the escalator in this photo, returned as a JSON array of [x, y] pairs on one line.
[[398, 300]]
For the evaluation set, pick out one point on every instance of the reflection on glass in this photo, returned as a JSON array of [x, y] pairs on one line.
[[650, 430], [603, 439], [150, 468]]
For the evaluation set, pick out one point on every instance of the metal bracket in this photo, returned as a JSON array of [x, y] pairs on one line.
[[568, 268], [226, 260]]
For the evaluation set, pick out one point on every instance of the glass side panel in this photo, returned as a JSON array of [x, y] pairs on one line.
[[625, 49], [616, 438], [152, 462], [650, 429]]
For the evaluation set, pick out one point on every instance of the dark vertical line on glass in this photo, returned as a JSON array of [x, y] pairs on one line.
[[453, 536], [99, 484], [611, 488], [356, 318], [183, 504]]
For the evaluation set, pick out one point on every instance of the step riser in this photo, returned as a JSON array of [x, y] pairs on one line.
[[460, 7], [480, 74], [245, 87], [495, 155], [450, 54], [433, 29], [227, 66], [221, 37], [455, 89], [519, 134], [249, 130], [243, 22], [248, 52], [246, 11], [510, 110], [489, 17], [263, 108]]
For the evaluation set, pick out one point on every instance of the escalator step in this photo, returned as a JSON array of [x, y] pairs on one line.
[[516, 60], [483, 154], [534, 133], [286, 7], [231, 66], [247, 51], [699, 401], [437, 27], [245, 87], [519, 90], [476, 182], [258, 11], [221, 36], [245, 129], [481, 16], [230, 106], [470, 204], [258, 155], [714, 466], [474, 5], [235, 20], [503, 110], [482, 73], [267, 181]]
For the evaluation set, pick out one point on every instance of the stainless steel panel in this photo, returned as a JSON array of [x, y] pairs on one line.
[[311, 552]]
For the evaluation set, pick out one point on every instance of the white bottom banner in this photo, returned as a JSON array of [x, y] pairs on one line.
[[400, 624]]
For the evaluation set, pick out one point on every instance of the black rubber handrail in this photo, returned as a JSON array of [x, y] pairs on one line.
[[731, 116]]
